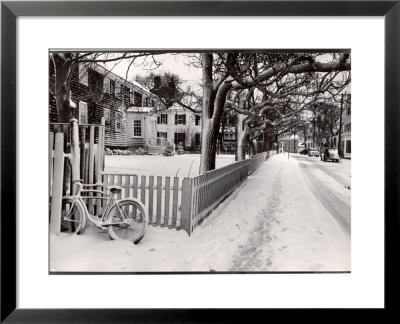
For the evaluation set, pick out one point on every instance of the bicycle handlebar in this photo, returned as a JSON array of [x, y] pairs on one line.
[[80, 181]]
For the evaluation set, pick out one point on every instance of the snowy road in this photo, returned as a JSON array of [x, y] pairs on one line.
[[304, 218], [290, 215], [327, 180]]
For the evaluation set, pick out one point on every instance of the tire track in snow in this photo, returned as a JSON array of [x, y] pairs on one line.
[[336, 206]]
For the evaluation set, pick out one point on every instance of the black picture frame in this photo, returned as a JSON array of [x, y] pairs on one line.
[[10, 10]]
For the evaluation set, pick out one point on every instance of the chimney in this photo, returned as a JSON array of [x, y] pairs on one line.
[[157, 82]]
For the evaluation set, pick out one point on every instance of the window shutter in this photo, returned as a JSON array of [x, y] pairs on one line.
[[83, 74], [106, 85], [117, 89], [166, 119], [158, 120], [184, 119], [176, 119], [83, 113]]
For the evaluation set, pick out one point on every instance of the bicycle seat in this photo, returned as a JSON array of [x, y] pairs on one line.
[[114, 189]]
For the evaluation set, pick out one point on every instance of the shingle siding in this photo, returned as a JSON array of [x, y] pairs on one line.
[[90, 90]]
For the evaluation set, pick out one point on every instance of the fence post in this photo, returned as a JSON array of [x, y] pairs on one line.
[[75, 154], [57, 189], [51, 148], [186, 212]]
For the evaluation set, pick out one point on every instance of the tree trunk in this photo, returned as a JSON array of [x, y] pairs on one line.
[[213, 107], [241, 129], [63, 73]]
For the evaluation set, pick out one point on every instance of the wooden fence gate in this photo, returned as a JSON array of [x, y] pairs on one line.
[[75, 152]]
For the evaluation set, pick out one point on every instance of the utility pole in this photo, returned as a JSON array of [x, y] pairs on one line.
[[313, 140], [340, 127]]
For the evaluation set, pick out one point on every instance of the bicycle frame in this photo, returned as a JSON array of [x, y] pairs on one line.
[[111, 201]]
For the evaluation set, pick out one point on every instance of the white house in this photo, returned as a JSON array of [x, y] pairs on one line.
[[178, 125], [345, 138]]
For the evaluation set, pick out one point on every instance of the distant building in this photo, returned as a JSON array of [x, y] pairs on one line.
[[99, 93], [180, 126], [289, 143], [176, 124], [229, 139], [345, 141], [132, 114]]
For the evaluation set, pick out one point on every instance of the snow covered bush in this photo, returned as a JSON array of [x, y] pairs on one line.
[[117, 152], [140, 151], [179, 149], [168, 149]]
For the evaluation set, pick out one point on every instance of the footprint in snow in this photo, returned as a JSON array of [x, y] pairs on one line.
[[268, 262], [152, 250]]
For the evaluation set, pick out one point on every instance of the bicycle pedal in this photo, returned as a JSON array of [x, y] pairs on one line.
[[101, 229]]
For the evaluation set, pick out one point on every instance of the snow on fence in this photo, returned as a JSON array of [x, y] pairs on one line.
[[202, 194], [256, 161], [75, 152], [184, 204], [161, 195]]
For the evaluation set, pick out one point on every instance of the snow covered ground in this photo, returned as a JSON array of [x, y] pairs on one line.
[[273, 222], [186, 165]]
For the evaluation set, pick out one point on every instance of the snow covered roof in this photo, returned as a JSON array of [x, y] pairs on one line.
[[140, 109], [141, 86]]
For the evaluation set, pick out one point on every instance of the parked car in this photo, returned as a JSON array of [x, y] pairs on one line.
[[331, 154], [304, 151], [313, 152]]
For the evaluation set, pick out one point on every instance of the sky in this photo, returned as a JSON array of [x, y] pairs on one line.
[[177, 64]]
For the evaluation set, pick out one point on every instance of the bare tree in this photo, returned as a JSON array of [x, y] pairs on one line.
[[66, 62], [278, 76]]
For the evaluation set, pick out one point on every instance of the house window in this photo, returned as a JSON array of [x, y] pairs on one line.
[[125, 94], [162, 134], [112, 87], [179, 138], [348, 146], [107, 116], [162, 119], [83, 113], [180, 119], [197, 139], [197, 120], [137, 99], [146, 102], [95, 80], [118, 122], [152, 103], [137, 128]]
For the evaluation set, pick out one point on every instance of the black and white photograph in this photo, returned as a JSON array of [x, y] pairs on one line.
[[199, 161]]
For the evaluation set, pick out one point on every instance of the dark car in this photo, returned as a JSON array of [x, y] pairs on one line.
[[330, 154], [304, 151]]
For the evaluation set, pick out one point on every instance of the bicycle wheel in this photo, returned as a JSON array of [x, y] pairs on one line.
[[72, 221], [128, 222]]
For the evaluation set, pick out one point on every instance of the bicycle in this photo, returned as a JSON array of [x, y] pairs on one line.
[[122, 219]]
